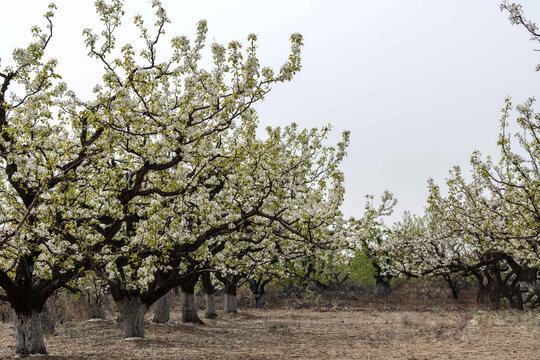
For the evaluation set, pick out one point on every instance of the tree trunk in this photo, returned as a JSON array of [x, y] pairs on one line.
[[257, 291], [189, 310], [162, 308], [489, 293], [210, 311], [208, 289], [229, 302], [496, 288], [482, 292], [481, 296], [132, 310], [257, 302], [452, 284], [455, 293], [29, 334], [533, 290], [382, 287], [96, 310], [230, 306], [516, 298]]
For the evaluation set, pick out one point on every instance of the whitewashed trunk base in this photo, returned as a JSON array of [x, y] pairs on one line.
[[162, 309], [189, 310], [210, 311], [133, 312], [230, 306], [29, 334]]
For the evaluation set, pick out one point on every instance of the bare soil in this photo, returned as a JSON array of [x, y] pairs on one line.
[[307, 334]]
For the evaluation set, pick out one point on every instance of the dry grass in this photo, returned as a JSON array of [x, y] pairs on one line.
[[307, 334]]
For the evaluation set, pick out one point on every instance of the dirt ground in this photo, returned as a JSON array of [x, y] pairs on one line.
[[307, 334]]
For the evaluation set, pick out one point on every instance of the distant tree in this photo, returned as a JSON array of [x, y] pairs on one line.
[[486, 227], [369, 232]]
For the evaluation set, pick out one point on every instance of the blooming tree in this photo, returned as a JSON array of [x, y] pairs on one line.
[[181, 179], [44, 149], [486, 227], [84, 182]]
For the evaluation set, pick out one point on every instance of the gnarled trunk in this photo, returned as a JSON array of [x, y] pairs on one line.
[[162, 308], [132, 310], [189, 310], [208, 289], [29, 334], [495, 298], [230, 305], [27, 295], [230, 283]]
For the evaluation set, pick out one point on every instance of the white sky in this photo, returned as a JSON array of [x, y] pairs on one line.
[[419, 83]]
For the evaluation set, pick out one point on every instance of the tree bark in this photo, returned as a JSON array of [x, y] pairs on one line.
[[189, 310], [257, 291], [96, 310], [496, 288], [208, 289], [382, 287], [132, 310], [516, 298], [482, 293], [533, 295], [230, 282], [210, 311], [489, 291], [230, 305], [162, 308], [257, 302], [29, 334], [452, 285]]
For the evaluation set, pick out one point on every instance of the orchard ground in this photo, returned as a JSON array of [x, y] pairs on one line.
[[333, 330]]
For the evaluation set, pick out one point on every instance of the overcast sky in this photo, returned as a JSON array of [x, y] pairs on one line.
[[419, 84]]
